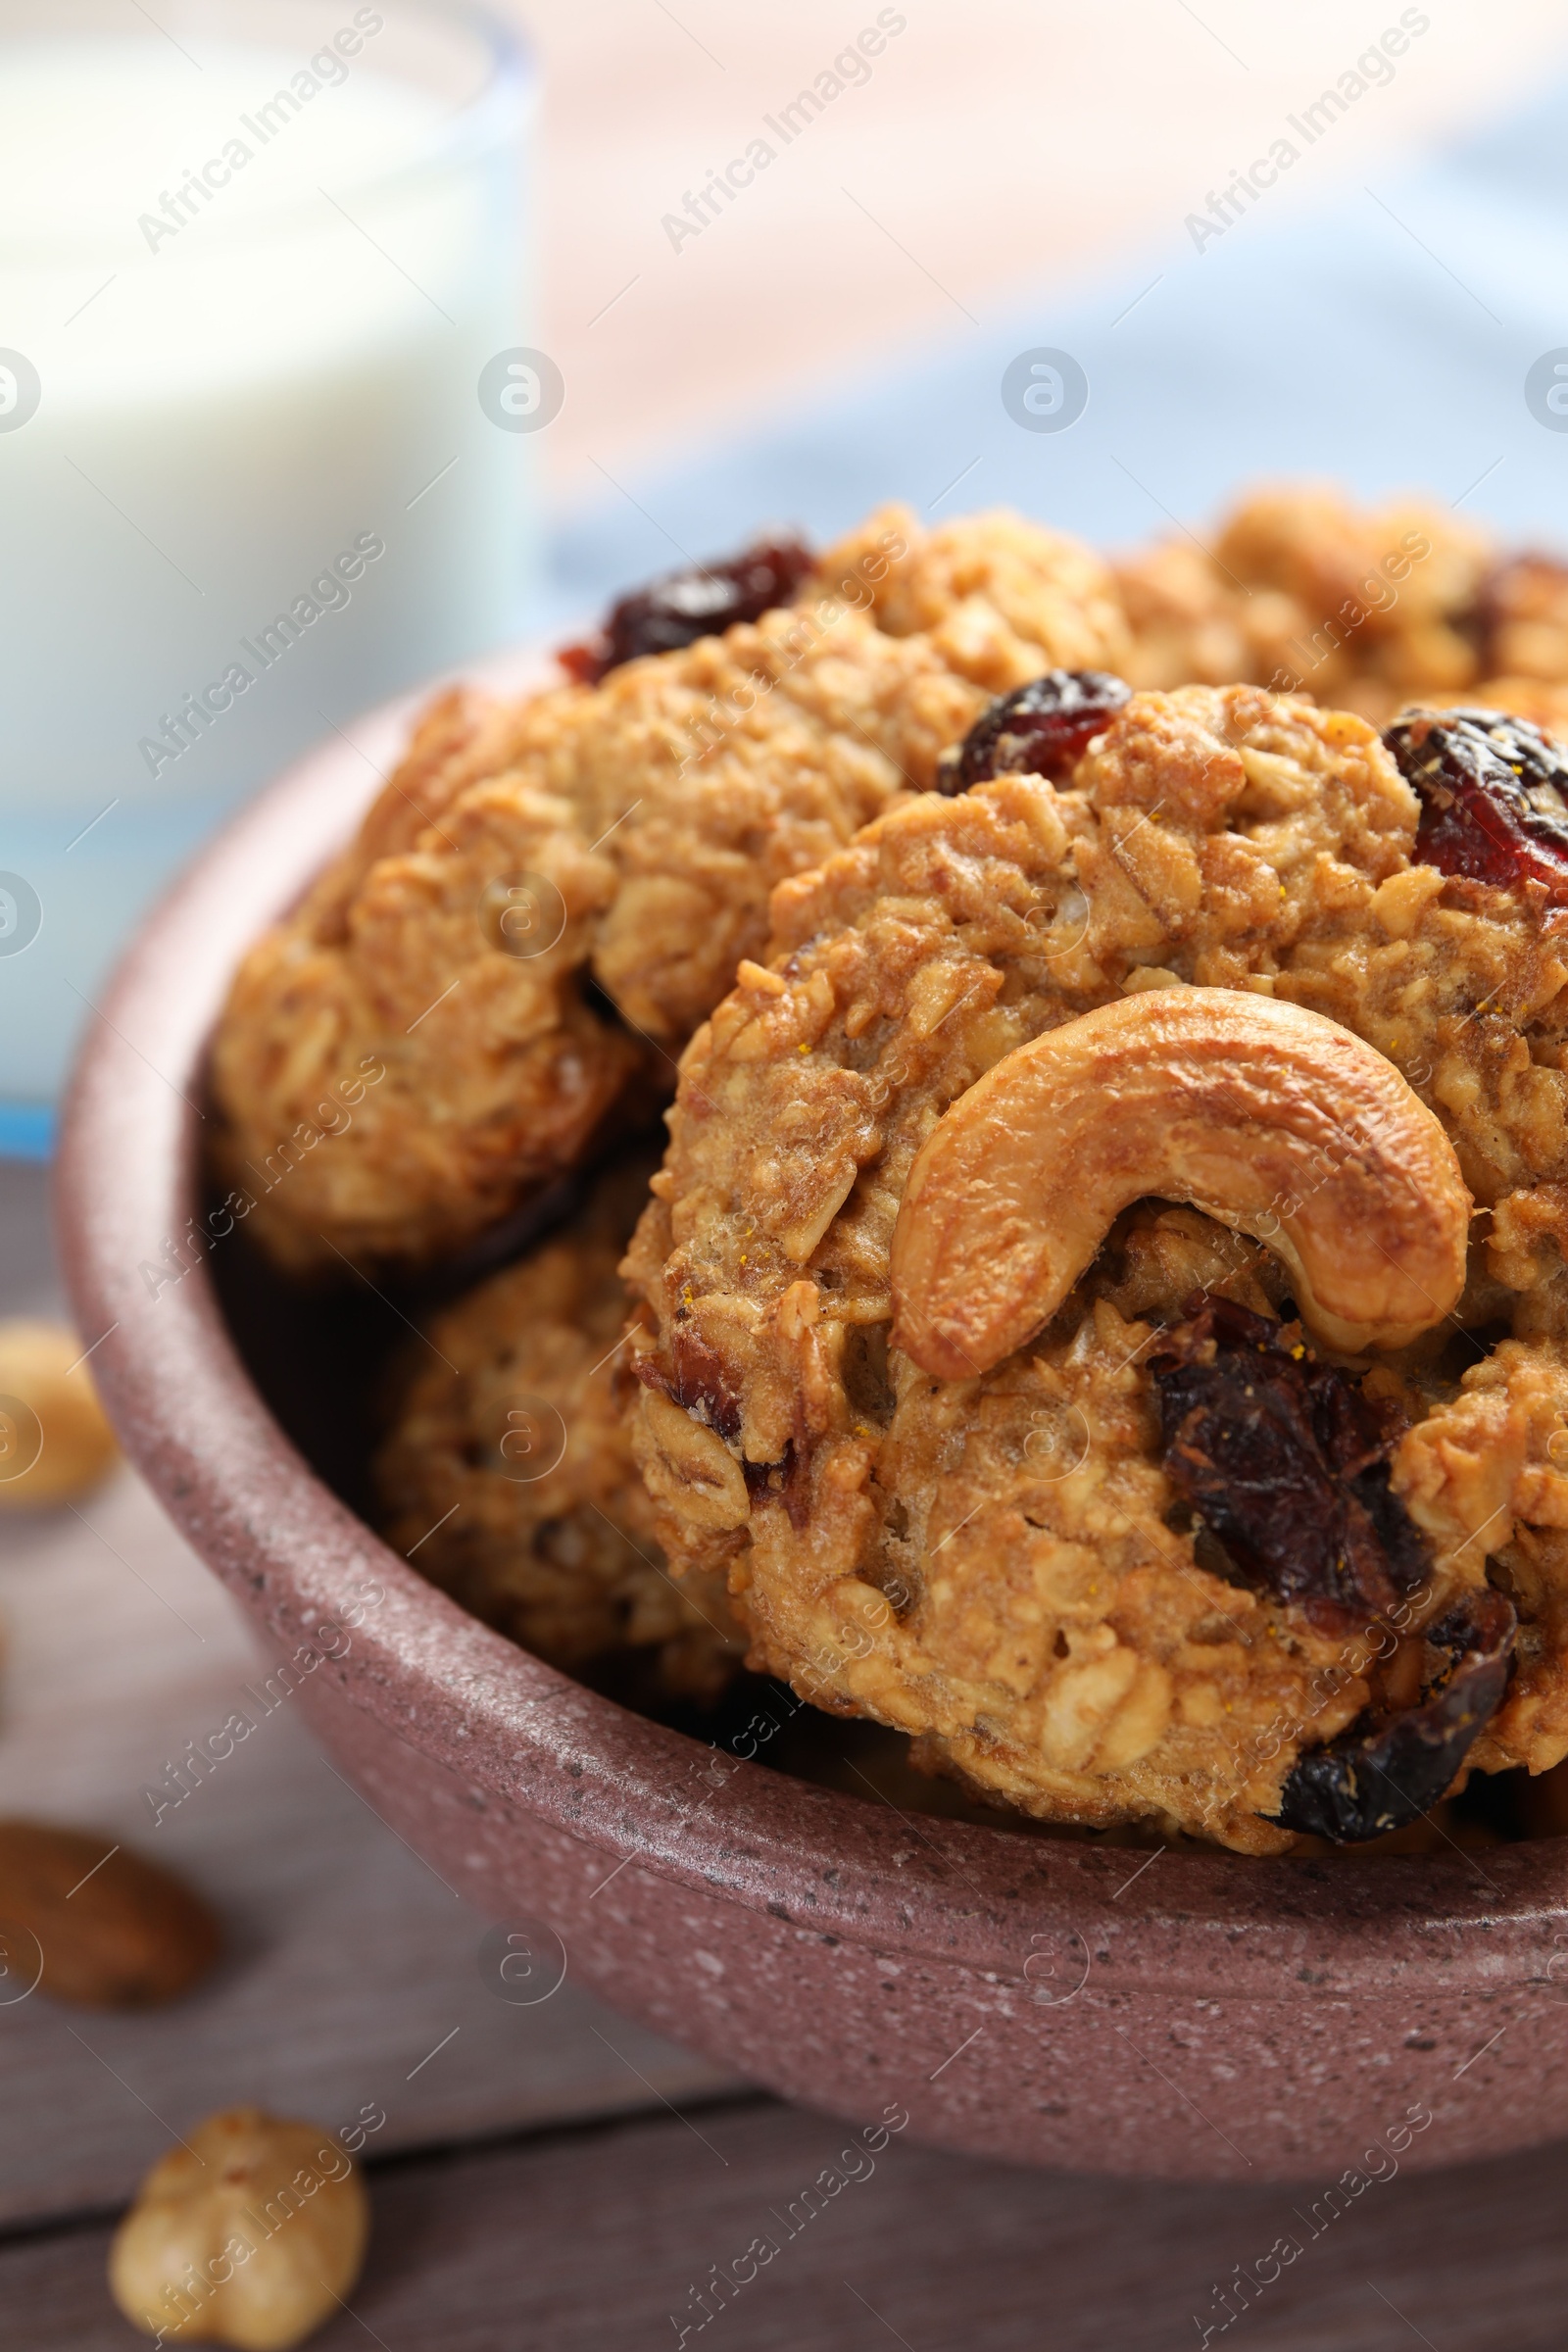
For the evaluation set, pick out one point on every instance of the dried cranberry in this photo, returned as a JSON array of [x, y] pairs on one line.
[[1390, 1769], [1286, 1461], [1493, 796], [1041, 729], [683, 607]]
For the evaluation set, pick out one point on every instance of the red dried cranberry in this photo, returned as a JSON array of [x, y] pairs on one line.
[[1286, 1461], [1041, 729], [1390, 1769], [683, 605], [1494, 795]]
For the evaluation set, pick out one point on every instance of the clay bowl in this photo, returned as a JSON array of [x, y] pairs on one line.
[[1202, 2017]]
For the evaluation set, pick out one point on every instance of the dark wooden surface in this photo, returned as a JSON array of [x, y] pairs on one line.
[[349, 1960], [590, 2241], [556, 2177]]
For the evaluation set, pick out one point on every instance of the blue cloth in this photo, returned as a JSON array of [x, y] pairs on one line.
[[1383, 344]]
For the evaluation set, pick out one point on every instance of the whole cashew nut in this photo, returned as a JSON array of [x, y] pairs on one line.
[[1267, 1117]]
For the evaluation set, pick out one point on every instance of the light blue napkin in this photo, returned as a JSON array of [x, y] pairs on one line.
[[1382, 341]]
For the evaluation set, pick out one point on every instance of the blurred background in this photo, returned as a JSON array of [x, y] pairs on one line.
[[641, 362], [238, 389], [1013, 175]]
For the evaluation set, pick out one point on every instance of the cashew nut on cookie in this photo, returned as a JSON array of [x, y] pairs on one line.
[[1271, 1120]]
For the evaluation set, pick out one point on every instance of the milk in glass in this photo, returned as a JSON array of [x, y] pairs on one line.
[[247, 486]]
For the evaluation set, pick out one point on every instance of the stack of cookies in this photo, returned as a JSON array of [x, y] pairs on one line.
[[1102, 1309]]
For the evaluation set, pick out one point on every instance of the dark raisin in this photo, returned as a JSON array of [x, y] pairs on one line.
[[863, 1370], [1286, 1462], [787, 1482], [1493, 796], [1390, 1769], [1041, 729], [694, 1379], [683, 605]]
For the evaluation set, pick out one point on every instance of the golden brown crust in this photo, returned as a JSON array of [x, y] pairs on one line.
[[1364, 608], [995, 1563], [1527, 620], [1051, 592], [392, 1079], [507, 1477], [627, 833]]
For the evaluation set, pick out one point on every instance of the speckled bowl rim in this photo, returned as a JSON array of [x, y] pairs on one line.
[[525, 1736]]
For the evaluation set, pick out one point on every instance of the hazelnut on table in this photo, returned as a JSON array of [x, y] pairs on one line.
[[250, 2233], [55, 1443]]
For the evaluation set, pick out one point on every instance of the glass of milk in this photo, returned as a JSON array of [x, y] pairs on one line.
[[265, 418]]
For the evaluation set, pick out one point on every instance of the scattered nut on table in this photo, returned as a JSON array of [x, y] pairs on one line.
[[249, 2233], [88, 1921], [54, 1440]]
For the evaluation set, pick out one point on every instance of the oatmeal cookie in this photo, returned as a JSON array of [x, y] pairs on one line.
[[1026, 1566], [550, 895], [1363, 608], [1524, 621], [507, 1477], [1052, 592]]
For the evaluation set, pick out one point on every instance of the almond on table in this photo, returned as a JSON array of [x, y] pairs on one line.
[[101, 1923]]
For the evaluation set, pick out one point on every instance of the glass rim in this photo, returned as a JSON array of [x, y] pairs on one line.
[[475, 124]]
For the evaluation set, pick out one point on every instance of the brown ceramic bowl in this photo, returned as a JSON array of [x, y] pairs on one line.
[[1198, 2017]]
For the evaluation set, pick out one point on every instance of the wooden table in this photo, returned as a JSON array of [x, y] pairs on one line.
[[351, 1977], [602, 2240], [554, 2176]]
